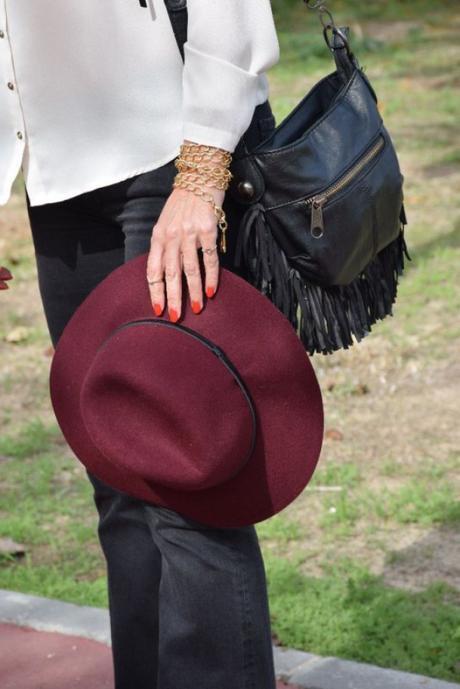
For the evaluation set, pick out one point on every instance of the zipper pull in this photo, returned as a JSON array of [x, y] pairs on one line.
[[317, 222]]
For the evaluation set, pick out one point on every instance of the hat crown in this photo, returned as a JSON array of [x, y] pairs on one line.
[[159, 380]]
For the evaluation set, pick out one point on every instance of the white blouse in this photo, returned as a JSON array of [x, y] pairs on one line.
[[92, 93]]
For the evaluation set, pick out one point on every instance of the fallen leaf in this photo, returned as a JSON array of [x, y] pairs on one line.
[[360, 389], [334, 434], [18, 334]]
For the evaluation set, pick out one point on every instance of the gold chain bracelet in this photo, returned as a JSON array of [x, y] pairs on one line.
[[182, 183], [216, 177], [200, 153], [199, 165]]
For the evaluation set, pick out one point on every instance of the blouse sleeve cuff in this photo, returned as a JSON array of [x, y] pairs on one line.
[[219, 99]]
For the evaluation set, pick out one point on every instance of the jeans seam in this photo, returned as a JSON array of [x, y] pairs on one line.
[[248, 665]]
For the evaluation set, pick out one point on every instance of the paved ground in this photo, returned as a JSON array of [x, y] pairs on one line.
[[48, 644], [31, 659], [45, 660]]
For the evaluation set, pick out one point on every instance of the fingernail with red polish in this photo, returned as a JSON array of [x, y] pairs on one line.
[[210, 291], [173, 315], [5, 273], [157, 308], [196, 306], [3, 285]]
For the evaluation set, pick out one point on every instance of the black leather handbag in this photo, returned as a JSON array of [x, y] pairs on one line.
[[322, 235]]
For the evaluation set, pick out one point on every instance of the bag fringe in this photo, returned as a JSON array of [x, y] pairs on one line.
[[329, 316]]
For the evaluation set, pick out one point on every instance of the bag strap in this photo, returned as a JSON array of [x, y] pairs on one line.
[[338, 44], [345, 60], [177, 10]]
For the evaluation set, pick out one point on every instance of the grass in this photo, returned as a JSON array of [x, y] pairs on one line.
[[419, 503], [345, 474], [56, 519], [351, 614], [34, 438], [346, 562]]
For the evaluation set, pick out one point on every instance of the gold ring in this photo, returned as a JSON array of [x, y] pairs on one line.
[[152, 282], [210, 250]]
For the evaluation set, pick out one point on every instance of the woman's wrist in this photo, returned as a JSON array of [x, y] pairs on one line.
[[205, 164], [204, 171]]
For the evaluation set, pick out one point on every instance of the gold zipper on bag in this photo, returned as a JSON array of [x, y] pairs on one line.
[[317, 202]]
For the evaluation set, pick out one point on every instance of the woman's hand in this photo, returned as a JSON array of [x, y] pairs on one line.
[[187, 222], [4, 275]]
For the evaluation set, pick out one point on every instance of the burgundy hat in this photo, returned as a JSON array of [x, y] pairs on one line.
[[218, 416]]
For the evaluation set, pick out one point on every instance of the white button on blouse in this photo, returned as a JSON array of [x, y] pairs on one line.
[[96, 92]]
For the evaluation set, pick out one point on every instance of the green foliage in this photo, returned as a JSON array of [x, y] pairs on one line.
[[279, 528], [34, 437], [59, 581], [46, 504], [290, 12], [418, 502], [345, 474], [351, 614]]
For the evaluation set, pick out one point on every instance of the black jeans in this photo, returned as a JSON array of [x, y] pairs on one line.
[[188, 602]]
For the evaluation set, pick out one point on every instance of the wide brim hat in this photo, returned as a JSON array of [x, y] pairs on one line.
[[218, 416]]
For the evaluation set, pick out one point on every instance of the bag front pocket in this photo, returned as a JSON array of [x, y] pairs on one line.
[[331, 235], [317, 201]]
